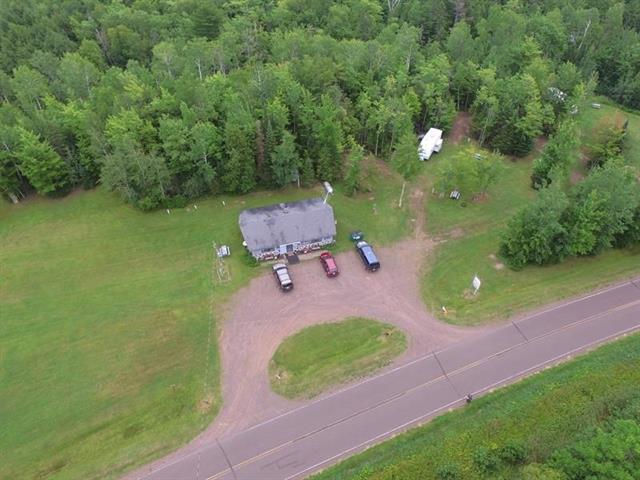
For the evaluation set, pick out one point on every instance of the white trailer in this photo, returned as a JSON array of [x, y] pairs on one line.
[[431, 142]]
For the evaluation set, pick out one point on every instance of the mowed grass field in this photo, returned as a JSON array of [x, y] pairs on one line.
[[108, 337], [539, 415], [324, 355], [471, 240]]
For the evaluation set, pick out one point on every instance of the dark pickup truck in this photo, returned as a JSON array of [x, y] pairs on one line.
[[281, 272], [368, 256]]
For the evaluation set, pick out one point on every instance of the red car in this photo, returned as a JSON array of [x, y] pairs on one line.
[[329, 264]]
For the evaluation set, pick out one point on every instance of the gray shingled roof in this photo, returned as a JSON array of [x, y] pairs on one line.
[[284, 223]]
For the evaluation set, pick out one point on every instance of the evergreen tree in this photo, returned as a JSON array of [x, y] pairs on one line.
[[558, 156], [285, 161], [239, 169], [328, 138], [352, 178], [405, 158], [41, 165]]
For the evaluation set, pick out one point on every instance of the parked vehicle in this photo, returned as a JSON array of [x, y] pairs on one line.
[[281, 272], [368, 256], [329, 264], [356, 236]]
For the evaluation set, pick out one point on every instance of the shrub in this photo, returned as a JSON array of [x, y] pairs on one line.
[[609, 137], [485, 460], [536, 233], [513, 453], [249, 260], [557, 157], [448, 471], [535, 471]]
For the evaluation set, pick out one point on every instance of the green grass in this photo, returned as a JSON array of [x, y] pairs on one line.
[[542, 413], [329, 354], [508, 194], [505, 292], [472, 239], [589, 117], [105, 361]]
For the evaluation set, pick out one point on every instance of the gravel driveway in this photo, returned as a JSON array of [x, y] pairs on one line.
[[260, 317]]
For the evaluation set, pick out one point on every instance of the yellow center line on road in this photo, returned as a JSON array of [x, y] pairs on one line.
[[422, 385]]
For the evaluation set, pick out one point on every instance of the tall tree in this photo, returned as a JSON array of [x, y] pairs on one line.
[[536, 233], [558, 156], [30, 87], [328, 139], [239, 169], [432, 82], [284, 161], [41, 165], [405, 158], [508, 114], [353, 175], [604, 205], [140, 178]]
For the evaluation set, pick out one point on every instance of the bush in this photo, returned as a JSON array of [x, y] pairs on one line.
[[513, 453], [249, 260], [609, 137], [608, 453], [448, 471], [535, 471], [536, 233], [485, 460], [558, 156]]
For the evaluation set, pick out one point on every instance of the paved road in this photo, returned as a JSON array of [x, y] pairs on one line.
[[308, 439]]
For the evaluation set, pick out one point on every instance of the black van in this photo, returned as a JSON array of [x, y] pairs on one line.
[[368, 256]]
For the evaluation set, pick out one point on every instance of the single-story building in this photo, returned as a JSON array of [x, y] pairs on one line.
[[288, 228], [431, 142]]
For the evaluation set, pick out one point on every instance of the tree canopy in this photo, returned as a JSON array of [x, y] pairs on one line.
[[216, 96]]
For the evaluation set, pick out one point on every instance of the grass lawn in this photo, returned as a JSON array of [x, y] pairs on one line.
[[323, 355], [108, 338], [509, 193], [540, 414], [589, 117], [505, 292], [472, 239]]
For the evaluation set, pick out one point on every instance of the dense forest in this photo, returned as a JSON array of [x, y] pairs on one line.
[[167, 100]]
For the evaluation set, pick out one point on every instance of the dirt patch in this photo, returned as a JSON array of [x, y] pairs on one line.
[[460, 128], [456, 233], [417, 207], [539, 143], [575, 177]]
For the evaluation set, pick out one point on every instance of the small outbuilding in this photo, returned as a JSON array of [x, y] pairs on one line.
[[431, 142], [288, 228]]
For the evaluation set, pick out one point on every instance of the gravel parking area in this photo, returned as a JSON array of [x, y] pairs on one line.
[[260, 317]]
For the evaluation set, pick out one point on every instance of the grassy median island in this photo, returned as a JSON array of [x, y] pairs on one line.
[[328, 354], [514, 432], [108, 345]]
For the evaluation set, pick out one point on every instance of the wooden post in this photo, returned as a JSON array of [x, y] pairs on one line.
[[401, 194]]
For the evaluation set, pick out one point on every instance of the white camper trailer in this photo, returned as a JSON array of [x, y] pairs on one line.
[[431, 142]]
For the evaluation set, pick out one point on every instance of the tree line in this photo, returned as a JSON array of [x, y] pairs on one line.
[[163, 101]]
